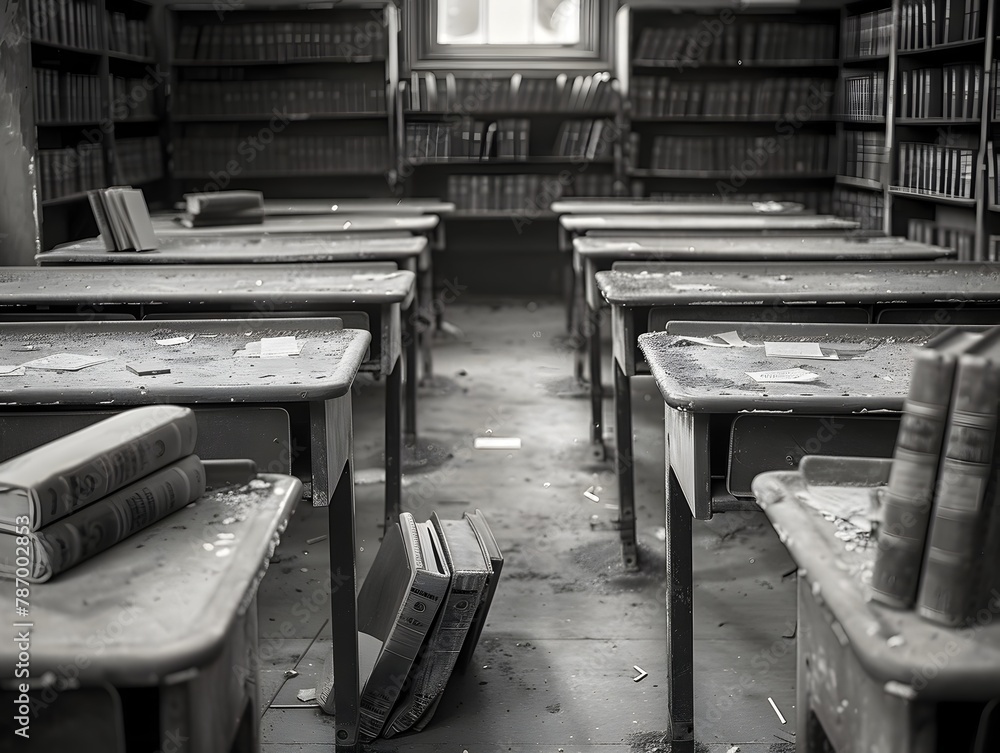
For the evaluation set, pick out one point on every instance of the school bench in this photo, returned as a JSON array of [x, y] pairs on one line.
[[290, 414], [155, 638], [870, 677], [723, 428], [364, 295]]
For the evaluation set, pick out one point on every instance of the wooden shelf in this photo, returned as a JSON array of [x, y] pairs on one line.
[[145, 119], [507, 161], [285, 174], [851, 121], [911, 193], [725, 119], [494, 214], [744, 65], [338, 59], [295, 117], [724, 175], [866, 183], [938, 121], [514, 112], [130, 58], [67, 199], [68, 124], [866, 60], [66, 48], [938, 48]]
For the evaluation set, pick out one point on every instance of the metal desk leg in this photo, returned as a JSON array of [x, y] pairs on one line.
[[393, 443], [344, 612], [582, 324], [680, 631], [596, 389], [425, 307], [623, 467], [410, 380]]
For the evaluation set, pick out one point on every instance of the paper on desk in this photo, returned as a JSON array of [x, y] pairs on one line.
[[694, 287], [65, 362], [273, 347], [180, 340], [723, 340], [798, 350], [788, 375], [11, 370], [732, 338]]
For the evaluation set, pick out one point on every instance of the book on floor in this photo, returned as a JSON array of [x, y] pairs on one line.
[[38, 555], [906, 501], [49, 482], [492, 552], [470, 572]]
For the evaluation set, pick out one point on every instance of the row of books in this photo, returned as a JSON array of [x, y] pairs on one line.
[[939, 538], [757, 155], [285, 155], [929, 23], [128, 35], [936, 169], [467, 96], [296, 96], [74, 23], [952, 91], [592, 184], [863, 96], [138, 160], [660, 96], [421, 611], [816, 201], [281, 42], [505, 193], [863, 155], [993, 152], [65, 501], [468, 139], [63, 97], [867, 208], [585, 139], [738, 43], [995, 80], [867, 34], [131, 99], [70, 170], [961, 240]]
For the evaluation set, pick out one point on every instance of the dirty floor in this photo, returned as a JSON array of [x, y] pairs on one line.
[[555, 666]]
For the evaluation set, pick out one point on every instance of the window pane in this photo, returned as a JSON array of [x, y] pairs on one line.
[[508, 22], [460, 22]]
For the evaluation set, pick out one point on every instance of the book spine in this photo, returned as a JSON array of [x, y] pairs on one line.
[[946, 588], [907, 500], [138, 446], [114, 518]]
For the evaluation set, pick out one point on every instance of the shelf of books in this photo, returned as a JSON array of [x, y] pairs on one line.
[[97, 103], [734, 104], [991, 132], [284, 99], [538, 138]]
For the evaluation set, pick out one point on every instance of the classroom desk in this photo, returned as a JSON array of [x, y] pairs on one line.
[[593, 255], [289, 411], [277, 207], [160, 624], [723, 428], [367, 295], [405, 250], [687, 224], [166, 226], [645, 296], [585, 205], [870, 677]]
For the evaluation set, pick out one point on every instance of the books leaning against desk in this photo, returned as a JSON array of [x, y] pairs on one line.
[[122, 218]]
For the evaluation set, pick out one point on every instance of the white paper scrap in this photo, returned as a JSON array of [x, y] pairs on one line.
[[732, 338], [180, 340], [709, 341], [793, 350], [65, 362], [277, 347], [693, 287], [788, 375], [9, 370], [497, 443]]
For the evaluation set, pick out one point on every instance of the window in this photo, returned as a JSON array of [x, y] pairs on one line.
[[549, 33]]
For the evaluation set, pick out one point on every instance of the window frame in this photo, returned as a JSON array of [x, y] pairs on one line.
[[591, 53]]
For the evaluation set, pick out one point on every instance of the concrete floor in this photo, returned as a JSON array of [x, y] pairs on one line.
[[554, 667]]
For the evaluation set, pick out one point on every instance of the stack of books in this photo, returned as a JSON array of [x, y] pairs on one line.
[[468, 140], [65, 501], [122, 218], [282, 42], [952, 91], [585, 139], [929, 23], [74, 23], [868, 34], [128, 35], [421, 610], [939, 538], [223, 208]]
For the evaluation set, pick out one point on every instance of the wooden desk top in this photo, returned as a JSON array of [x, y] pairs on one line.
[[687, 283], [872, 373], [752, 248], [273, 285], [165, 226], [210, 368], [170, 599], [794, 502], [716, 224], [583, 205], [276, 207], [244, 250]]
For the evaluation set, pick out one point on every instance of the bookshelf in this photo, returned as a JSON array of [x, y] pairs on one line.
[[97, 104], [504, 146], [733, 103], [991, 139], [291, 100]]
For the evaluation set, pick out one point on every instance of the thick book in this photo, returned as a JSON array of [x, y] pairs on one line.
[[492, 552], [123, 218], [906, 501], [49, 482], [397, 605], [37, 556], [470, 572], [959, 515], [223, 202]]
